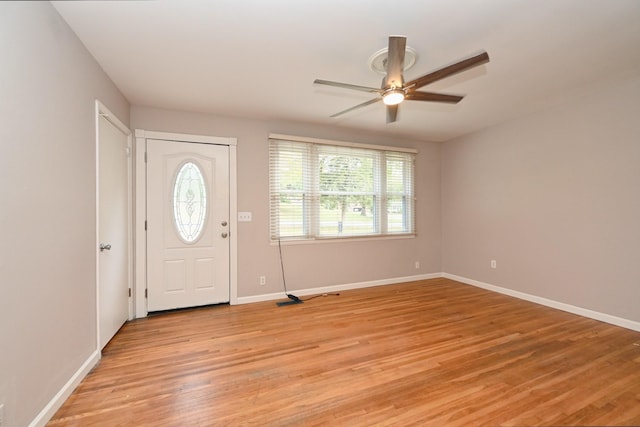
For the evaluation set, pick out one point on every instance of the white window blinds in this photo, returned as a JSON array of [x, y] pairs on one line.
[[321, 190]]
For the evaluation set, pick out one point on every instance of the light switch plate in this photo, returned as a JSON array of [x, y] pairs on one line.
[[244, 216]]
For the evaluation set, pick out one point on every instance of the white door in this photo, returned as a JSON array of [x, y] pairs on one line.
[[187, 224], [113, 230]]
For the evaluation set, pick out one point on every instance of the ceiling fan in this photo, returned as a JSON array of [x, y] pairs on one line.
[[394, 90]]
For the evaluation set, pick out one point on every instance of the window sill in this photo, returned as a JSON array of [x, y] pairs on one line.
[[351, 239]]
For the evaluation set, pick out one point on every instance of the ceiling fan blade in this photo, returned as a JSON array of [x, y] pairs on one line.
[[392, 113], [395, 61], [347, 86], [447, 71], [433, 97], [364, 104]]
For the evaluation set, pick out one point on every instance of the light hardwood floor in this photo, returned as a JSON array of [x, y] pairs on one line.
[[433, 352]]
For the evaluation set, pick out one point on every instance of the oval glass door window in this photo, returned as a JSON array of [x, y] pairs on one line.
[[189, 202]]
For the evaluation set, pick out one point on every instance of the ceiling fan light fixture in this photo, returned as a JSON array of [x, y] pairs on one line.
[[393, 97]]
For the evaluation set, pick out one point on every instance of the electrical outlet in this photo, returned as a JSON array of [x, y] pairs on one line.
[[417, 264], [493, 263], [263, 280], [244, 216]]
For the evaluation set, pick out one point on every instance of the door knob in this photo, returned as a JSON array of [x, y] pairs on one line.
[[104, 247], [224, 235], [224, 223]]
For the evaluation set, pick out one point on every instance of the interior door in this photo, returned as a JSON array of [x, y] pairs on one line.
[[187, 224], [113, 230]]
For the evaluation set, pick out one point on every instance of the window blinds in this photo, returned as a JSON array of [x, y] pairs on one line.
[[320, 190]]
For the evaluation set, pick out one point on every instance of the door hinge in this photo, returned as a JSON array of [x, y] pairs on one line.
[[146, 293], [145, 225], [145, 157], [129, 292]]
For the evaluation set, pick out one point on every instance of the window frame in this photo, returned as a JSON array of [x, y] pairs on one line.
[[311, 191]]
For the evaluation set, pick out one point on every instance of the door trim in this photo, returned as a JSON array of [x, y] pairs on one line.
[[140, 277], [102, 111]]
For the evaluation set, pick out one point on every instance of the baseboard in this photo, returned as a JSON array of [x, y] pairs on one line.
[[336, 288], [54, 404], [603, 317], [591, 314]]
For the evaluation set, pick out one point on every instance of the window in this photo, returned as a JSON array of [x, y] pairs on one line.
[[324, 189]]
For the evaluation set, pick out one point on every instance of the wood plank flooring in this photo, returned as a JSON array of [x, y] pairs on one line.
[[433, 352]]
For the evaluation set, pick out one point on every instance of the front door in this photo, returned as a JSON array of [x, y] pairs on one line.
[[187, 224], [113, 229]]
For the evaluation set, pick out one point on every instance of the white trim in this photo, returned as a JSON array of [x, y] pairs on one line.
[[140, 261], [351, 239], [185, 137], [56, 402], [603, 317], [337, 288], [98, 107], [140, 283], [112, 118], [584, 312], [233, 224], [340, 143]]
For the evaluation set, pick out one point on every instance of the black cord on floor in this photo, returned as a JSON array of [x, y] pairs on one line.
[[321, 295], [284, 281]]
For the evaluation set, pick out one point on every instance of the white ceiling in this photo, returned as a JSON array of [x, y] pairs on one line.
[[258, 58]]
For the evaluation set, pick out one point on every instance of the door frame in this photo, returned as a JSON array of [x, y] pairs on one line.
[[102, 111], [140, 279]]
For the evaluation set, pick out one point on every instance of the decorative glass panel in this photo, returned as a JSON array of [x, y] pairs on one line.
[[189, 202]]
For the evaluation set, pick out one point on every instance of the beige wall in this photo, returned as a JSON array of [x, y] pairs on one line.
[[310, 265], [554, 198], [48, 86]]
